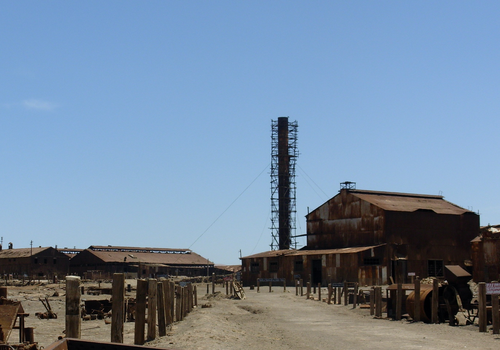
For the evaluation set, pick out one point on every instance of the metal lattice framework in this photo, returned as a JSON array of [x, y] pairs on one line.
[[284, 156]]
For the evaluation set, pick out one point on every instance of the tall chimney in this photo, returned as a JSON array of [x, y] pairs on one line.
[[283, 157]]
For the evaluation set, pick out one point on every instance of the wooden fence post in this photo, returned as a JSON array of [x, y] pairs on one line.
[[416, 316], [319, 291], [73, 296], [178, 303], [301, 287], [171, 296], [378, 301], [329, 293], [152, 297], [482, 307], [372, 301], [284, 285], [346, 294], [195, 292], [258, 285], [140, 311], [213, 282], [494, 312], [399, 301], [117, 318], [355, 296], [308, 292], [435, 301], [270, 286], [162, 324], [296, 287], [167, 301]]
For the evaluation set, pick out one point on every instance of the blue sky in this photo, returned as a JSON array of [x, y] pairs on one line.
[[149, 123]]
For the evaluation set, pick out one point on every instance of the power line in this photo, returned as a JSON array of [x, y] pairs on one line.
[[302, 170], [229, 206]]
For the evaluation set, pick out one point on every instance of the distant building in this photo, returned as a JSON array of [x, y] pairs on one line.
[[372, 238], [38, 262], [137, 262], [486, 254], [70, 252]]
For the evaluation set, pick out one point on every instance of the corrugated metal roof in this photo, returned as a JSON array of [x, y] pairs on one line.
[[21, 252], [293, 252], [407, 202], [149, 256], [137, 249]]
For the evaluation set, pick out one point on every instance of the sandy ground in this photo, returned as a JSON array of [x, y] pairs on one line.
[[276, 320]]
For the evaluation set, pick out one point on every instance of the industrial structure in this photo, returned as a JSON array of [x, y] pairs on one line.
[[138, 262], [284, 155], [33, 262], [373, 237], [486, 254]]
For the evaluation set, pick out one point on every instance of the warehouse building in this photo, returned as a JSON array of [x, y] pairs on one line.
[[32, 263], [138, 262], [373, 237]]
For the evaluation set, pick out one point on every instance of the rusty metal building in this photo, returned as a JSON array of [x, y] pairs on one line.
[[384, 236], [486, 254], [320, 266], [37, 262], [137, 262]]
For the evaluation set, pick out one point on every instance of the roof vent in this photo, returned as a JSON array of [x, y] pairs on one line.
[[348, 185]]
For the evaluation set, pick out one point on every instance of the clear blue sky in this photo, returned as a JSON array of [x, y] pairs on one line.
[[148, 123]]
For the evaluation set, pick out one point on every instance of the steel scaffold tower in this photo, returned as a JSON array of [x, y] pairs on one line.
[[284, 155]]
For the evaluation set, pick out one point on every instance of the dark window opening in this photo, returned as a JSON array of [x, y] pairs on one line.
[[435, 268], [36, 260], [299, 266], [371, 261], [55, 261], [45, 260], [255, 268], [273, 266]]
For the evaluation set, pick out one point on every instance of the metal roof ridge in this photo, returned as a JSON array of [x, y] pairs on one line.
[[396, 194]]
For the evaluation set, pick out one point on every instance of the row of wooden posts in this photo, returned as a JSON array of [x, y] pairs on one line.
[[337, 290], [164, 301]]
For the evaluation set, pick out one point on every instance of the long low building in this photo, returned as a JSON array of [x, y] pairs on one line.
[[138, 262], [33, 262], [327, 265]]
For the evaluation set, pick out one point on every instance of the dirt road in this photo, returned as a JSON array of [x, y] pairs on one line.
[[274, 320], [280, 320]]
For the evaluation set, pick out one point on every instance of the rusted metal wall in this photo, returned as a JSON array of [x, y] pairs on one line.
[[423, 235], [48, 263], [345, 221], [485, 257], [412, 238], [335, 268]]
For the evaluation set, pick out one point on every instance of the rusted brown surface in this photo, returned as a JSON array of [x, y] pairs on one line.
[[8, 316], [142, 261], [416, 228], [46, 261], [323, 266], [370, 237], [486, 254]]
